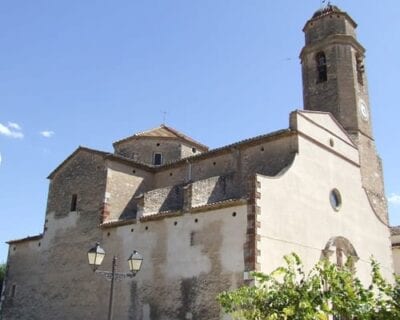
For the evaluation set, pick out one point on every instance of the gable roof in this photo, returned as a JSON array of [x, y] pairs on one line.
[[28, 238], [151, 168], [163, 131], [334, 126], [105, 155], [72, 155]]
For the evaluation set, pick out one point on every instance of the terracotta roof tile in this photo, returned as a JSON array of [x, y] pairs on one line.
[[273, 135], [164, 131]]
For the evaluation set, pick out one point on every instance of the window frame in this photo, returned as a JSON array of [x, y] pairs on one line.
[[155, 154]]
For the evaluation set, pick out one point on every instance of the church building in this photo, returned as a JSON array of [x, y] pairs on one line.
[[202, 219]]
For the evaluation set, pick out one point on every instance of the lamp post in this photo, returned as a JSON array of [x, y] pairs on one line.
[[95, 258]]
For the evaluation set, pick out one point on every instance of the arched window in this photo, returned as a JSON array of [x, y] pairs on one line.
[[338, 250], [322, 72]]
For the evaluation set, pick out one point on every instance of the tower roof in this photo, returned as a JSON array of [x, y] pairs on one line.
[[329, 10], [326, 10]]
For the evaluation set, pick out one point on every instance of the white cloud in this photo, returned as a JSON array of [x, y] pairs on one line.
[[11, 130], [14, 125], [394, 198], [47, 133]]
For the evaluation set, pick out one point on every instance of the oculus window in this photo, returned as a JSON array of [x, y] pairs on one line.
[[336, 199]]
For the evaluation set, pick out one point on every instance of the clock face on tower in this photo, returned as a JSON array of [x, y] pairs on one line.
[[363, 110]]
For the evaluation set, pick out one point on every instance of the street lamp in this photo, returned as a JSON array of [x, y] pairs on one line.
[[95, 258], [135, 262]]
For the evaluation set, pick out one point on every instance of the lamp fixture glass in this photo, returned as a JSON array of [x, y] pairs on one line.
[[96, 256], [135, 262]]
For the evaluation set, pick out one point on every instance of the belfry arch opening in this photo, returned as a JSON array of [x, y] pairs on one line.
[[360, 68], [322, 70]]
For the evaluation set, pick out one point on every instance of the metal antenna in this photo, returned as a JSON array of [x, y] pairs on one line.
[[164, 116]]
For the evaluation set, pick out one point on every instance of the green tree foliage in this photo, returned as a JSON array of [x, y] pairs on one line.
[[2, 274], [289, 293]]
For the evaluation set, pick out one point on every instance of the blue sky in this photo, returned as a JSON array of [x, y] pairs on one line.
[[91, 72]]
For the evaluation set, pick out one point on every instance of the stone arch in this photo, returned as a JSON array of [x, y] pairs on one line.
[[342, 247]]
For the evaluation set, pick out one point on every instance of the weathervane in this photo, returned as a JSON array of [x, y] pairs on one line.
[[324, 2]]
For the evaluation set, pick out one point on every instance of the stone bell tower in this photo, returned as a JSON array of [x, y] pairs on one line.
[[334, 80]]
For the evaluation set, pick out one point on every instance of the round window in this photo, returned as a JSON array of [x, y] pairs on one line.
[[336, 199]]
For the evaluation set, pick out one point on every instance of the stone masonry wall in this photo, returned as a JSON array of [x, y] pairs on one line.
[[84, 169], [202, 192], [143, 149], [124, 185], [372, 176], [323, 27], [212, 190], [188, 150], [267, 157], [395, 239], [163, 199], [51, 274]]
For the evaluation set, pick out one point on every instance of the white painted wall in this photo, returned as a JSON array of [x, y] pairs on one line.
[[296, 214]]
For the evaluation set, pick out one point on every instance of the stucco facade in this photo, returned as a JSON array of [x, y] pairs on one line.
[[306, 226], [204, 219]]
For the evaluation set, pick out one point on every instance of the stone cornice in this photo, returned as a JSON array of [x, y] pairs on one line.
[[332, 39], [327, 14]]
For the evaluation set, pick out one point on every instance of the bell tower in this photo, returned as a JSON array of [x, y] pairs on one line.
[[334, 80]]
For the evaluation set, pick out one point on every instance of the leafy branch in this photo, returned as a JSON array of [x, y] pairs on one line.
[[288, 293]]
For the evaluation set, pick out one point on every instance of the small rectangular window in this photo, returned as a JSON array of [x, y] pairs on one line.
[[157, 160], [13, 290], [74, 201], [192, 238]]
